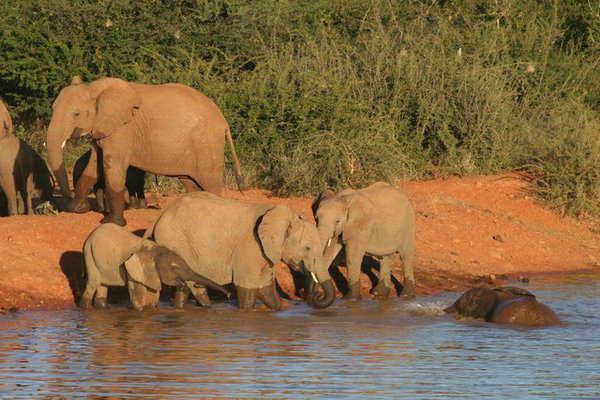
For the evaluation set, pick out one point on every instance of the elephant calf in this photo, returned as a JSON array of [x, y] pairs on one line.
[[507, 305], [377, 221], [116, 257]]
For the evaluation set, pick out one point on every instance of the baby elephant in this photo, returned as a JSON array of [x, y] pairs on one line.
[[115, 257], [377, 221], [507, 305]]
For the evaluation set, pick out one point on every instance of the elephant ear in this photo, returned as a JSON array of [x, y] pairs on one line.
[[324, 195], [115, 107], [360, 211], [273, 230], [140, 268]]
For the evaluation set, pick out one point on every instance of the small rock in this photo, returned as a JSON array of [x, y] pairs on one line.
[[491, 279], [523, 279], [498, 238]]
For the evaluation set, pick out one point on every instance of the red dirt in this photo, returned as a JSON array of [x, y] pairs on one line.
[[469, 231]]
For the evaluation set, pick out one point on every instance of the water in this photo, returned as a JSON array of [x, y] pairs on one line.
[[373, 349]]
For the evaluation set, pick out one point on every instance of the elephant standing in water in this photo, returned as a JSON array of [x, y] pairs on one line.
[[168, 129], [231, 241], [507, 305], [22, 170], [377, 221], [116, 257]]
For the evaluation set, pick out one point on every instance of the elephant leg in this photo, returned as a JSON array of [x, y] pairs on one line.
[[246, 297], [201, 296], [384, 285], [87, 297], [27, 194], [181, 295], [101, 295], [85, 183], [189, 184], [137, 295], [269, 296], [10, 191], [354, 255], [407, 255], [142, 203], [100, 199]]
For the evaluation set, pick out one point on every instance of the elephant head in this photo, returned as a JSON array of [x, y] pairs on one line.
[[6, 125], [157, 265], [341, 217], [288, 237], [98, 109]]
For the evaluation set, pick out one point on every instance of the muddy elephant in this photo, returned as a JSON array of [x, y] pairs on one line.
[[22, 170], [168, 129], [378, 221], [231, 241], [116, 257], [134, 183], [506, 305]]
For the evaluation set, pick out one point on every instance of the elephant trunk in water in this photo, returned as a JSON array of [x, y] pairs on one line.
[[55, 158], [325, 299]]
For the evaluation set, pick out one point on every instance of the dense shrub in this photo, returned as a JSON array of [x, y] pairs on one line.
[[329, 93]]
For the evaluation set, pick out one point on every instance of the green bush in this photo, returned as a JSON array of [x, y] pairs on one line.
[[328, 93]]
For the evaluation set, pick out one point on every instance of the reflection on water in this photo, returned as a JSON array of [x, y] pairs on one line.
[[373, 349]]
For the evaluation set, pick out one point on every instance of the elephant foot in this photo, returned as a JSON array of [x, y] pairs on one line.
[[142, 204], [382, 290], [268, 295], [408, 290], [353, 292], [246, 297], [79, 206], [85, 303], [100, 302], [112, 219]]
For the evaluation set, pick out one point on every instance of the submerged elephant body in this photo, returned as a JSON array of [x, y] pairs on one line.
[[504, 306], [116, 257], [168, 129], [231, 241], [377, 221]]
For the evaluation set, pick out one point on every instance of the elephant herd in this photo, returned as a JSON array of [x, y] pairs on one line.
[[203, 241]]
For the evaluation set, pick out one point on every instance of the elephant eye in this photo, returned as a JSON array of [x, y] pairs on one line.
[[307, 248], [76, 114]]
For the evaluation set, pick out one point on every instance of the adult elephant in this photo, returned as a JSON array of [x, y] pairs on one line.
[[231, 241], [506, 305], [168, 129], [22, 170], [377, 221]]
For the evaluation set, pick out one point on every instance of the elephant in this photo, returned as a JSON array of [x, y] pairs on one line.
[[169, 129], [505, 305], [134, 182], [116, 257], [232, 241], [22, 170], [378, 221]]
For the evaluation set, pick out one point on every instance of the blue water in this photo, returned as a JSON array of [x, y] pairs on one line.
[[373, 349]]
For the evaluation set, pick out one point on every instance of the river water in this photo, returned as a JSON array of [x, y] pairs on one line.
[[372, 349]]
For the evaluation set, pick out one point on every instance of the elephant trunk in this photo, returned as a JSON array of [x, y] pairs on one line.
[[203, 281], [322, 300], [55, 158]]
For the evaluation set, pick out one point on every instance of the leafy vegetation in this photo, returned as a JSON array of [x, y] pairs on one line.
[[329, 93]]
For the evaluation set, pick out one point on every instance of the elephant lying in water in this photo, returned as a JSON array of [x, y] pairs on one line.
[[231, 241], [507, 305], [115, 257]]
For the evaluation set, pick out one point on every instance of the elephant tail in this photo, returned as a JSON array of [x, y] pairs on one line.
[[238, 169]]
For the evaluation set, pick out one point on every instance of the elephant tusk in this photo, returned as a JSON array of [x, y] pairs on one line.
[[62, 146], [312, 275], [329, 242]]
